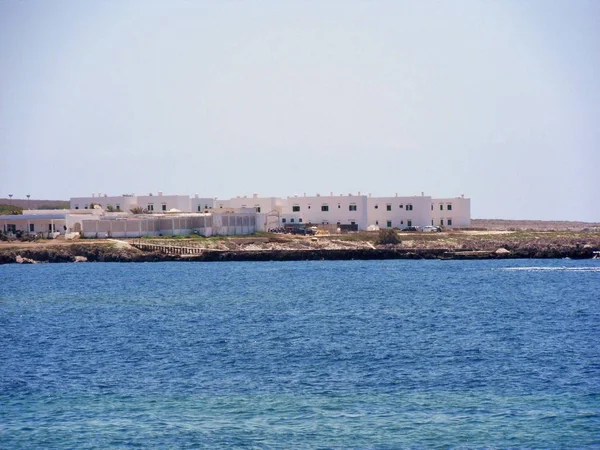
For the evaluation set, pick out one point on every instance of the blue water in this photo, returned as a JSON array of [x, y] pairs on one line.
[[353, 354]]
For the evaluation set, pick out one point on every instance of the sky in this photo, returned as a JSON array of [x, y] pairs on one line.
[[496, 100]]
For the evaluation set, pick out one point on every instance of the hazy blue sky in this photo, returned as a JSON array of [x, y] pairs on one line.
[[499, 100]]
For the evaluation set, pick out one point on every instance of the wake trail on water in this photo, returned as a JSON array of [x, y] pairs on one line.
[[550, 269]]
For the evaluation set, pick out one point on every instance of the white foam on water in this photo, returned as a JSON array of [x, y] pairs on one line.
[[551, 269]]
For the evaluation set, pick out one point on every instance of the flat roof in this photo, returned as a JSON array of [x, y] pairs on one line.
[[34, 217]]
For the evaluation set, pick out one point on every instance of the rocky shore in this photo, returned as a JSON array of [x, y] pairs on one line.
[[123, 252]]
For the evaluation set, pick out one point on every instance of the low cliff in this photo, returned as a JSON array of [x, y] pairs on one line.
[[114, 253]]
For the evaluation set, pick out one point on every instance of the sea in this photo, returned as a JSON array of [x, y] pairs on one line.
[[318, 354]]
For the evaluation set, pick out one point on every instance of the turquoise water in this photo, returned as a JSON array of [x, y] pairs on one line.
[[338, 354]]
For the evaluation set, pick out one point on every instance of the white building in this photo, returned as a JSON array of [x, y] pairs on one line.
[[119, 203], [47, 223], [126, 202], [164, 203], [201, 204], [399, 212], [264, 205], [451, 212], [352, 211], [331, 209]]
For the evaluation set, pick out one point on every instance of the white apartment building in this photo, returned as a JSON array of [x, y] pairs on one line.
[[120, 203], [124, 203], [360, 211], [399, 212], [331, 209], [201, 204], [164, 203], [451, 212]]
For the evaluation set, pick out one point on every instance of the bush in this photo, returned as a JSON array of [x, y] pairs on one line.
[[10, 209], [387, 236]]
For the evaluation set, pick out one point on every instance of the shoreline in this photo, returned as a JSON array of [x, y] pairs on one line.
[[466, 244], [77, 253]]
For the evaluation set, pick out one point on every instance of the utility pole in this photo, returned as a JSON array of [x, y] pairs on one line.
[[28, 204]]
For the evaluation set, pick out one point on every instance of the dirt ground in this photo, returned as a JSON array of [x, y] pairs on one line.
[[540, 225]]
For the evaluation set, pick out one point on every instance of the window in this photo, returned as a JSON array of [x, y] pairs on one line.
[[308, 206], [441, 222], [389, 224], [388, 207], [11, 228], [376, 206], [409, 207], [164, 207], [199, 208], [449, 222], [339, 223], [352, 222], [283, 220], [86, 207], [401, 206], [292, 220], [339, 206], [118, 207], [431, 222], [324, 207], [300, 220], [409, 223], [402, 222], [352, 207], [257, 209], [296, 208], [31, 228], [449, 207], [432, 206], [377, 222], [441, 207], [76, 206]]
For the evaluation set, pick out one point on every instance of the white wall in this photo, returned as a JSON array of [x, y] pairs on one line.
[[164, 203], [233, 224], [456, 210], [201, 204], [399, 212], [311, 209], [158, 225], [263, 205], [74, 222]]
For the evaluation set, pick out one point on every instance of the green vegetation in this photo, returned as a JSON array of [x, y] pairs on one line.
[[387, 236], [10, 209], [53, 206]]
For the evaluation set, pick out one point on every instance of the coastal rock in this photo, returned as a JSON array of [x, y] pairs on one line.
[[80, 259], [20, 260], [502, 251]]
